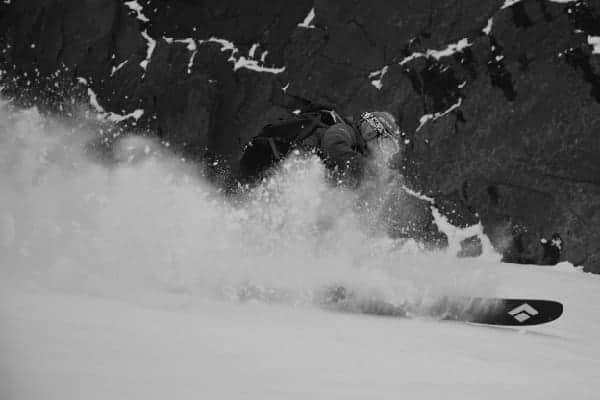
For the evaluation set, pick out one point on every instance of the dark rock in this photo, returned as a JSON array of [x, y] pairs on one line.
[[509, 136], [470, 247], [552, 248], [411, 217]]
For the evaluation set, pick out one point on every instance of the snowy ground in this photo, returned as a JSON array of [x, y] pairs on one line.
[[122, 282], [61, 346]]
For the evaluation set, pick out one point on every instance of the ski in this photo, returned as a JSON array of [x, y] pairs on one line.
[[477, 310], [503, 311]]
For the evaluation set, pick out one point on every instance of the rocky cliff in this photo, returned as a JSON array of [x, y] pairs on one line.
[[499, 100]]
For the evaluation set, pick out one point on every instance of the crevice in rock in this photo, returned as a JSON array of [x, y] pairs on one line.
[[467, 60], [362, 28], [525, 188], [499, 75], [583, 17], [332, 61], [524, 60], [426, 32], [544, 8], [61, 49], [493, 194], [306, 104], [577, 59], [520, 17], [460, 117], [113, 32], [573, 179], [464, 191]]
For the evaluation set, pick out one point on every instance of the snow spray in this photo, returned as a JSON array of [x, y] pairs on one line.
[[148, 222]]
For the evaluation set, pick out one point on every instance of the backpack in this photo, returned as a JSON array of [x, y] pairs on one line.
[[275, 141]]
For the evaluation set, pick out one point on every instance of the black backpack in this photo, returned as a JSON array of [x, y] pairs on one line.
[[275, 141]]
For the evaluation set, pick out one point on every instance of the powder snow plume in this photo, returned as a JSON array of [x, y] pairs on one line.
[[149, 225]]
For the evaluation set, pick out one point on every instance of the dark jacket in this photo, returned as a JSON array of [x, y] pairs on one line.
[[344, 151], [340, 145]]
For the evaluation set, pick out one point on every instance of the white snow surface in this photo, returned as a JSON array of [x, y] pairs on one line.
[[123, 282]]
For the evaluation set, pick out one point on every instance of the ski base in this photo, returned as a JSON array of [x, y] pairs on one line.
[[477, 310]]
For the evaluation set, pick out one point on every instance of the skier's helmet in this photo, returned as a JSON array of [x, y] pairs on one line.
[[382, 123]]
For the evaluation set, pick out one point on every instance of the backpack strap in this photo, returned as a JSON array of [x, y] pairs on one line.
[[276, 152]]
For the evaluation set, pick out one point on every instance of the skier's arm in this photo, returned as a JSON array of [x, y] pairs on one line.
[[337, 145]]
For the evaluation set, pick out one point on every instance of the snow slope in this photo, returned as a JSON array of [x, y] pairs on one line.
[[60, 346], [125, 281]]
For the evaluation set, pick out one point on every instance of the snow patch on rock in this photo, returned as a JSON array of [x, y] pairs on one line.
[[137, 114], [137, 8], [379, 75], [454, 233], [263, 56], [432, 117], [94, 101], [253, 50], [488, 28], [594, 41], [191, 62], [191, 45], [238, 61], [308, 21], [118, 67], [509, 3], [101, 113], [418, 195], [151, 45]]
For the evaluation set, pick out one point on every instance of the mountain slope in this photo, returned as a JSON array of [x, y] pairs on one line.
[[57, 345]]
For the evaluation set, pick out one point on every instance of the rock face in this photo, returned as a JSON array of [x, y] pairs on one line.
[[500, 101]]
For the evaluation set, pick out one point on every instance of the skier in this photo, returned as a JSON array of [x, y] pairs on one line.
[[346, 148]]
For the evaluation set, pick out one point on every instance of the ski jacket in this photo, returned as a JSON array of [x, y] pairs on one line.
[[344, 151], [339, 143]]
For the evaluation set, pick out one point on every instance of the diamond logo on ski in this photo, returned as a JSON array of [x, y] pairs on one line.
[[523, 312]]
